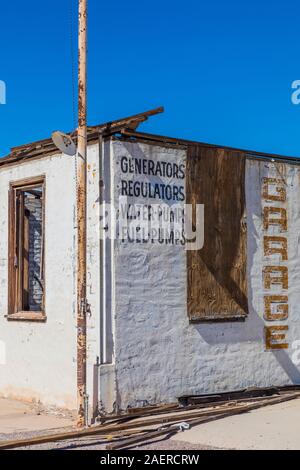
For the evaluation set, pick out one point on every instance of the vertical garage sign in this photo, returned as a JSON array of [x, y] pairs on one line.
[[273, 213]]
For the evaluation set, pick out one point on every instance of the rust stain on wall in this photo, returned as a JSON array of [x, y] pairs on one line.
[[275, 245], [275, 275], [280, 302]]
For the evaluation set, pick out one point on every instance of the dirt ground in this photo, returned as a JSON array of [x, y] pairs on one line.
[[20, 420], [275, 427], [272, 427], [17, 417]]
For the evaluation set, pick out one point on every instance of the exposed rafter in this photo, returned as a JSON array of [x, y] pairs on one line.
[[46, 146]]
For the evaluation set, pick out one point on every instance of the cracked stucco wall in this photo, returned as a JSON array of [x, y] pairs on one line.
[[159, 354], [38, 360]]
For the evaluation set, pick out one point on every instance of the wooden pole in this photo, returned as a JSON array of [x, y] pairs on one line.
[[81, 215]]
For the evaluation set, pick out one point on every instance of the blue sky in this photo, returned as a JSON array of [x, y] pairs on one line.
[[222, 69]]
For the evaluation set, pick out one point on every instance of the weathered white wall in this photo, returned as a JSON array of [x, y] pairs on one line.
[[149, 351], [159, 355], [93, 275], [38, 360], [278, 366]]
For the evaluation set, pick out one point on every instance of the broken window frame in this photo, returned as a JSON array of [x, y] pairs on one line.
[[16, 259]]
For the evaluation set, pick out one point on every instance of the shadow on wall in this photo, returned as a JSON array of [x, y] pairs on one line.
[[251, 330], [211, 173]]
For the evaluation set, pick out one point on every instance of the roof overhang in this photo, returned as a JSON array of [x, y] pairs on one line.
[[46, 147], [126, 129]]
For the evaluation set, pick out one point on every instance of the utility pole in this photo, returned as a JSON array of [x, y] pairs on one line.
[[81, 217]]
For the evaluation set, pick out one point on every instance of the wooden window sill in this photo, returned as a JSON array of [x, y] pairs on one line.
[[27, 316]]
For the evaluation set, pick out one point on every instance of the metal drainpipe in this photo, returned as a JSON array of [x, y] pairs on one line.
[[81, 218], [101, 200]]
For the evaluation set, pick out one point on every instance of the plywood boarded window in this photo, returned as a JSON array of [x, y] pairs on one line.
[[217, 274], [26, 286]]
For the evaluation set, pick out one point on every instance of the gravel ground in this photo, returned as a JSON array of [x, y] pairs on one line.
[[95, 443], [174, 445]]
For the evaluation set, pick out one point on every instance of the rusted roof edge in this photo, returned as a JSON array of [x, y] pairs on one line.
[[46, 146], [143, 136], [125, 128]]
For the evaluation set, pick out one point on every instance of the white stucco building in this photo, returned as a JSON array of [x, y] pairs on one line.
[[165, 320]]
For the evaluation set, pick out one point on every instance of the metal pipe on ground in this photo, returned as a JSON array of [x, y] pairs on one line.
[[147, 436], [177, 418]]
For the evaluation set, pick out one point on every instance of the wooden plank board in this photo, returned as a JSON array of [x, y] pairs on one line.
[[217, 275]]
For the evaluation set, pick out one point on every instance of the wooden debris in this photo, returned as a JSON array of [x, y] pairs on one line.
[[142, 438], [139, 425], [252, 392]]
